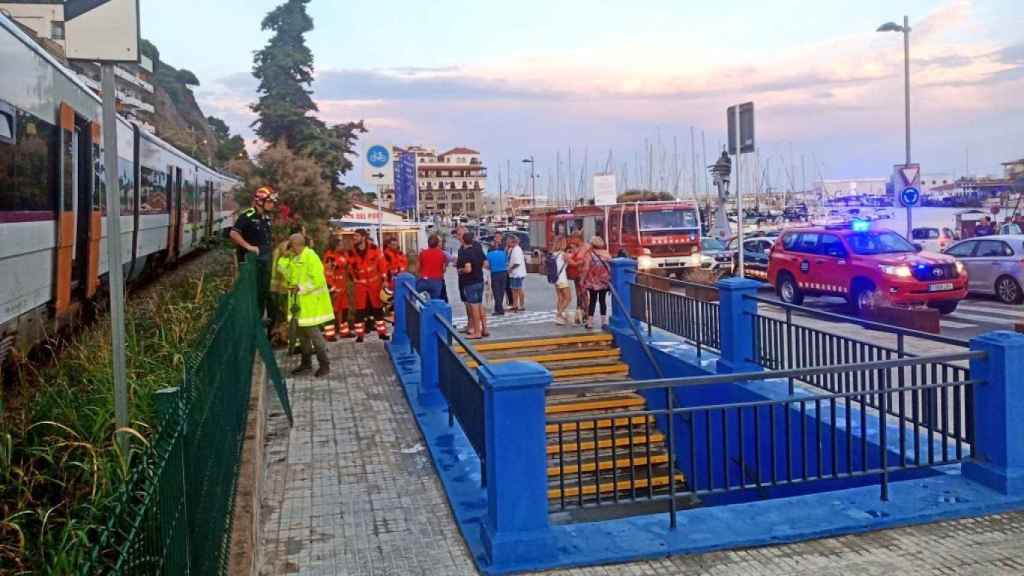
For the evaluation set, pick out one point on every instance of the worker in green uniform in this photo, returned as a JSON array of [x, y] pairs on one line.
[[309, 302]]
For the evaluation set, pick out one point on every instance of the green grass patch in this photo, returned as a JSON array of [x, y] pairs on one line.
[[59, 464]]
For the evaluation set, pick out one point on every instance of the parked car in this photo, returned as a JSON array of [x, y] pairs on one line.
[[933, 239], [715, 255], [756, 256], [861, 264], [995, 265]]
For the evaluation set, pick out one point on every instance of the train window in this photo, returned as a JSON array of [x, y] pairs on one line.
[[153, 191], [8, 119], [67, 156], [99, 189], [28, 166], [126, 181]]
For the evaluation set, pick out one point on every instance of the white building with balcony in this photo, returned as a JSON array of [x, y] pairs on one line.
[[450, 184]]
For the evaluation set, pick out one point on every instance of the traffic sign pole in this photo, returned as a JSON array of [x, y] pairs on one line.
[[739, 194], [115, 274]]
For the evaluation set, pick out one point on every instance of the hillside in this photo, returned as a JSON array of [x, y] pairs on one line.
[[178, 118]]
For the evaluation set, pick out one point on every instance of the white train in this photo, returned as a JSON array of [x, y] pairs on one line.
[[53, 218]]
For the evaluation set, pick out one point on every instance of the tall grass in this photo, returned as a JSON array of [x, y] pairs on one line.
[[59, 464]]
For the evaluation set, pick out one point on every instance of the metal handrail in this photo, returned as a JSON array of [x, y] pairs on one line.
[[419, 297], [863, 323], [476, 356], [770, 375]]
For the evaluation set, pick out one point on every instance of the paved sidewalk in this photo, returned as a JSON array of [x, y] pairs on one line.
[[351, 491]]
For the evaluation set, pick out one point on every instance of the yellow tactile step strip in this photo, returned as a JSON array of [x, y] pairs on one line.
[[617, 368], [608, 487], [607, 464], [556, 357], [539, 342], [585, 405], [624, 423], [625, 440]]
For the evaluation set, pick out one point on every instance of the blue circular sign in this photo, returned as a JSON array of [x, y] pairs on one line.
[[378, 156], [910, 196]]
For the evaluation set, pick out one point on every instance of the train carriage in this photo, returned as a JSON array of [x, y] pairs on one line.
[[53, 213]]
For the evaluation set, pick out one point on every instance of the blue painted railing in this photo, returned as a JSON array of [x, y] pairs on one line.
[[461, 387]]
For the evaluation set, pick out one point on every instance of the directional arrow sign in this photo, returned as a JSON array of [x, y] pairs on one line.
[[378, 164], [102, 30]]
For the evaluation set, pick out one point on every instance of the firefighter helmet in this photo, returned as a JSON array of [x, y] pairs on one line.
[[265, 193], [386, 295]]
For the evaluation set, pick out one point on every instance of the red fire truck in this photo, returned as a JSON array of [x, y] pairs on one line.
[[662, 236]]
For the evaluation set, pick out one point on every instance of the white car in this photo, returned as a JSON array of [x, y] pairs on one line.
[[933, 239]]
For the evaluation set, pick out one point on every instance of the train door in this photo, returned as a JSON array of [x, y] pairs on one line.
[[172, 217], [74, 201], [209, 209], [179, 212], [83, 265]]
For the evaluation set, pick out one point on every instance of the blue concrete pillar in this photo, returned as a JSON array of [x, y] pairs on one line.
[[516, 530], [735, 312], [404, 283], [998, 458], [623, 275], [430, 327]]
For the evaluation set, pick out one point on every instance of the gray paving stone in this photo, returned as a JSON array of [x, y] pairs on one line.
[[347, 494]]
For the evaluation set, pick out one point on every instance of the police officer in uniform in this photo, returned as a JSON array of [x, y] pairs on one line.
[[251, 235]]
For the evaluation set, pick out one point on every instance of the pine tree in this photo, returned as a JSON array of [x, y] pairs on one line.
[[285, 71]]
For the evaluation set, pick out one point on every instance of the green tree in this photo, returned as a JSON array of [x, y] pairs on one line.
[[302, 189], [331, 146], [228, 147], [187, 77], [644, 196], [284, 68]]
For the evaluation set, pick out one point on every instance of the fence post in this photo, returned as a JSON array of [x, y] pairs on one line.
[[623, 274], [430, 391], [735, 311], [997, 460], [399, 335], [516, 528]]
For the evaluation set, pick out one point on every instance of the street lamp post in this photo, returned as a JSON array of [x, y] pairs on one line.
[[905, 29], [533, 182]]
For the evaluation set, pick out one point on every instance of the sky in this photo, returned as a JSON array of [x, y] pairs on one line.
[[621, 83]]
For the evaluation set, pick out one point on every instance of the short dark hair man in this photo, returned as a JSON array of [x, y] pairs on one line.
[[470, 265]]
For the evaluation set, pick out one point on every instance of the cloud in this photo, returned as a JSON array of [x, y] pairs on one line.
[[841, 97]]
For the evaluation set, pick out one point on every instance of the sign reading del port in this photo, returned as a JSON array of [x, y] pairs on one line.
[[378, 166]]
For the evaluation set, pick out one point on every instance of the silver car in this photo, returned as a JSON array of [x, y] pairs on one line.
[[994, 265]]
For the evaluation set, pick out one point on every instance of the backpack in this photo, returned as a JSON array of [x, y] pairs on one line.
[[551, 268]]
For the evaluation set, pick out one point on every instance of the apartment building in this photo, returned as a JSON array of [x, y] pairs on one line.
[[452, 183], [134, 87]]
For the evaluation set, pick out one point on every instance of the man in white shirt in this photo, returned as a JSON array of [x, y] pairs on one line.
[[516, 273]]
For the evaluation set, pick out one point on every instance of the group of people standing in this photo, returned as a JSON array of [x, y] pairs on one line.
[[311, 294], [503, 262], [583, 268]]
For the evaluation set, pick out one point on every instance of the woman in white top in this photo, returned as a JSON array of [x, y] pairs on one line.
[[516, 273], [563, 289]]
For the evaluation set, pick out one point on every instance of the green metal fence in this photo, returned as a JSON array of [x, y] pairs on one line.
[[174, 515]]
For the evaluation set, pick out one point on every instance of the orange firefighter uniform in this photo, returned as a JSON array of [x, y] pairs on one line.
[[336, 265], [397, 263], [369, 272]]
